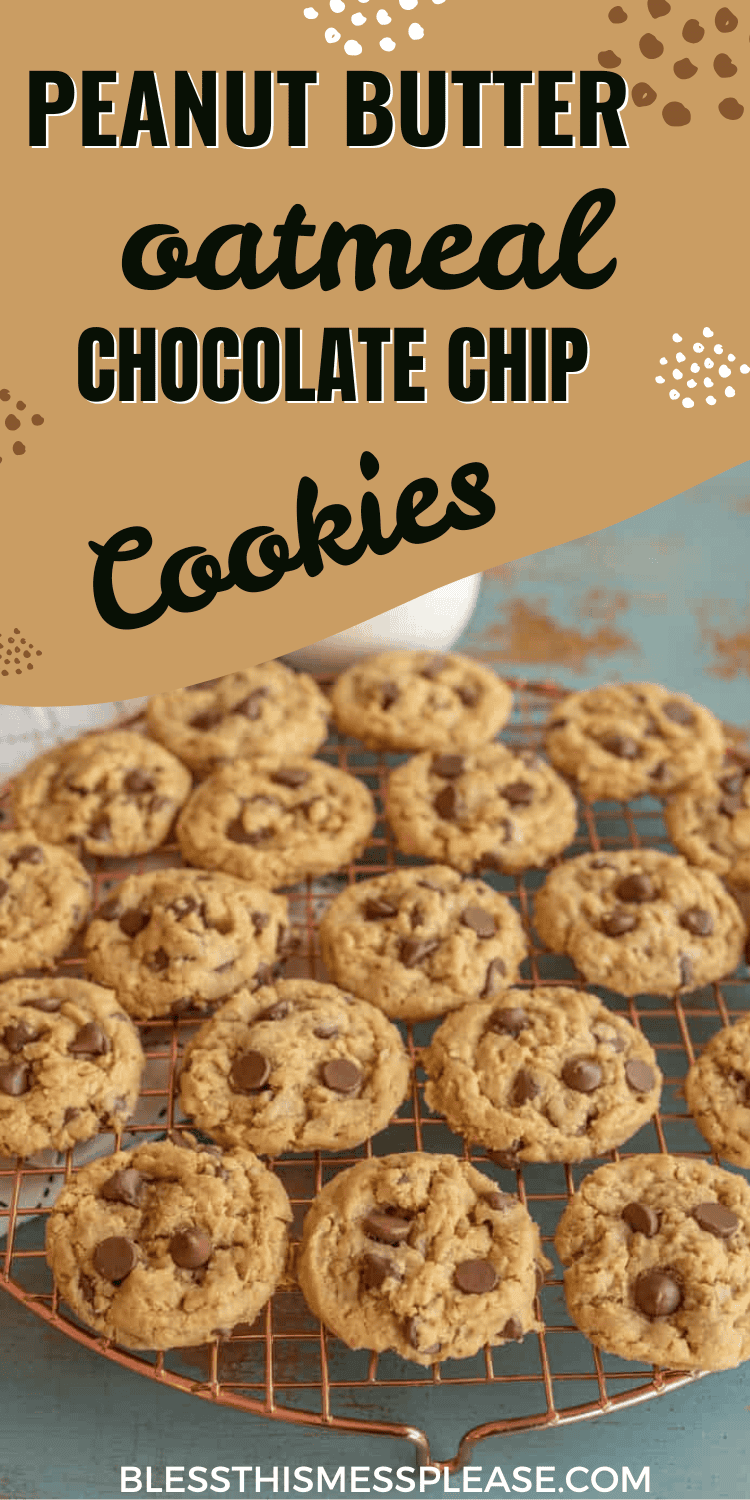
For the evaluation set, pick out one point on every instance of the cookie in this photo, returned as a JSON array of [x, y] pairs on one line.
[[420, 942], [45, 895], [70, 1064], [657, 1250], [634, 739], [169, 1244], [545, 1074], [298, 1066], [265, 710], [717, 1090], [414, 700], [113, 794], [640, 921], [276, 821], [423, 1255], [171, 941], [709, 821], [491, 808]]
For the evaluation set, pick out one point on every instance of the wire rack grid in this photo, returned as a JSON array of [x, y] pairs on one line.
[[286, 1366]]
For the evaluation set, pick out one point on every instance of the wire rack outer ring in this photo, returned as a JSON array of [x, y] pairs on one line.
[[532, 704]]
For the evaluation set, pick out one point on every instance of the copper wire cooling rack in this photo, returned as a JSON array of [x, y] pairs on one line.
[[286, 1367]]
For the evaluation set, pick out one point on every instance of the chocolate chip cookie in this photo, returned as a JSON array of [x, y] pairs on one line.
[[45, 895], [168, 1245], [717, 1090], [414, 700], [625, 740], [709, 821], [657, 1250], [107, 794], [298, 1066], [276, 821], [423, 1255], [264, 710], [170, 941], [70, 1064], [545, 1074], [490, 808], [420, 942], [640, 921]]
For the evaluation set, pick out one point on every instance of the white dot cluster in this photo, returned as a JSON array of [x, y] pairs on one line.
[[350, 15], [696, 369]]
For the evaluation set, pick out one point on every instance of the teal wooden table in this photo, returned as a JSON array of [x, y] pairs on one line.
[[661, 597]]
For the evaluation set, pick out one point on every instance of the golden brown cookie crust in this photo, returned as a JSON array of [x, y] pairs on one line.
[[45, 895], [265, 710], [717, 1090], [709, 821], [415, 700]]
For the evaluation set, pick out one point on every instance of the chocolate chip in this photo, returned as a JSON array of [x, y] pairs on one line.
[[697, 921], [725, 20], [87, 1287], [115, 1258], [678, 713], [277, 1012], [327, 1031], [518, 793], [237, 832], [292, 776], [716, 1219], [412, 1332], [657, 1294], [139, 781], [47, 1003], [133, 922], [249, 1072], [660, 772], [636, 888], [14, 1079], [513, 1329], [414, 951], [641, 1219], [190, 1249], [509, 1022], [263, 974], [374, 1271], [693, 31], [89, 1041], [500, 1201], [448, 766], [481, 922], [687, 971], [377, 910], [525, 1087], [389, 694], [159, 960], [582, 1074], [183, 907], [30, 854], [621, 745], [433, 668], [16, 1037], [207, 720], [639, 1076], [342, 1076], [123, 1187], [476, 1276], [101, 831], [449, 804], [260, 920], [469, 694], [493, 979], [224, 968], [388, 1228], [618, 921], [508, 1158], [252, 705]]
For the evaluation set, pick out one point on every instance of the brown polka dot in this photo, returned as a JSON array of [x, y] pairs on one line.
[[38, 653], [725, 20], [618, 15], [658, 8], [18, 672], [4, 395], [650, 45], [731, 109], [675, 113], [27, 653], [724, 66], [12, 422], [36, 420], [609, 60], [19, 448], [29, 666], [16, 630], [643, 95], [684, 68], [693, 31], [20, 406]]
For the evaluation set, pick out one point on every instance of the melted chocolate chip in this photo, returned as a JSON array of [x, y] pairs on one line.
[[481, 922], [190, 1248], [30, 854], [237, 832], [469, 694], [139, 781], [716, 1219], [207, 720], [133, 922], [342, 1076], [159, 960], [378, 910], [16, 1037], [414, 951], [448, 766], [618, 922], [123, 1187], [263, 974], [678, 713], [582, 1074], [183, 907], [508, 1158], [90, 1041], [449, 804], [260, 920], [657, 1294], [637, 888], [500, 1201], [697, 921], [292, 776], [476, 1276], [389, 1228], [493, 980], [327, 1031], [47, 1003], [375, 1269], [277, 1012], [641, 1219], [525, 1087], [412, 1333], [110, 910], [14, 1079], [252, 705], [101, 831], [639, 1076], [389, 694], [115, 1258], [249, 1072], [621, 745], [509, 1022], [513, 1329], [518, 793]]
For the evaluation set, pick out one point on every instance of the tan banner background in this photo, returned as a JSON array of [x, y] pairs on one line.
[[201, 473]]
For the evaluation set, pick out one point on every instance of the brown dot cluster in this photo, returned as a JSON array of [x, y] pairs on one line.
[[13, 422], [16, 652], [694, 31]]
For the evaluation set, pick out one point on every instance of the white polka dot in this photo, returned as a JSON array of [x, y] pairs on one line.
[[383, 17], [695, 369], [408, 4], [352, 48], [692, 384], [676, 338], [659, 379], [337, 6], [708, 364], [708, 382], [332, 35], [728, 390], [687, 401], [731, 358], [674, 395], [744, 369], [416, 32], [724, 370], [698, 348], [663, 360], [358, 19], [718, 348], [677, 374], [680, 358], [387, 44], [710, 401], [310, 14], [708, 333]]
